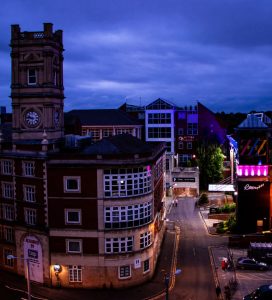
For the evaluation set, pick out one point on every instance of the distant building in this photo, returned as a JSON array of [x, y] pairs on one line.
[[251, 148]]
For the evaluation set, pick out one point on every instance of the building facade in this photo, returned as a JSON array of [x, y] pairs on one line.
[[81, 213]]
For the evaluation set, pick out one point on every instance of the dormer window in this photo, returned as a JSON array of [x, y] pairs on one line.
[[32, 76]]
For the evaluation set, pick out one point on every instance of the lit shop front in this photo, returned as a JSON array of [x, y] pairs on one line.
[[253, 205]]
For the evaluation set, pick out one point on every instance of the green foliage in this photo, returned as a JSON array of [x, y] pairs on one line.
[[227, 226], [210, 161], [227, 208], [203, 199]]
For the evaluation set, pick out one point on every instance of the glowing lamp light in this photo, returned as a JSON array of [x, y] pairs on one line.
[[57, 268], [252, 170]]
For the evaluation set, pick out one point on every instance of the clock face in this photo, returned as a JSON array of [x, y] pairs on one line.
[[32, 118]]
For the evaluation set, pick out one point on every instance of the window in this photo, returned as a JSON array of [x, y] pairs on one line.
[[127, 182], [180, 145], [6, 167], [192, 128], [184, 158], [28, 168], [30, 216], [123, 131], [71, 184], [32, 76], [74, 246], [73, 216], [93, 133], [107, 132], [127, 216], [8, 212], [7, 190], [124, 272], [119, 245], [145, 239], [8, 234], [159, 132], [189, 145], [180, 131], [75, 274], [159, 118], [146, 266], [8, 262], [29, 193]]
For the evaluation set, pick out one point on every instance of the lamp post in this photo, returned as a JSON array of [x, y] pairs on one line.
[[27, 273], [167, 278]]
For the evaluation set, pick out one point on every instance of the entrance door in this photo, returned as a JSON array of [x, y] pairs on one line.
[[33, 253]]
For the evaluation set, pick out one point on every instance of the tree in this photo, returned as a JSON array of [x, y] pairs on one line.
[[210, 162]]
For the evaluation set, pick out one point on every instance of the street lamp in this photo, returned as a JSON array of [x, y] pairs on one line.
[[167, 278], [10, 256]]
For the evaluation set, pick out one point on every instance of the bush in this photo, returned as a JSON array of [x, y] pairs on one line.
[[203, 199], [222, 227], [227, 208]]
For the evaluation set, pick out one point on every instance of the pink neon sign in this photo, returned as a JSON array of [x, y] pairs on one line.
[[252, 170]]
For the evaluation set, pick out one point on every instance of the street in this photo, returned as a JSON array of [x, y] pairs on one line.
[[196, 281]]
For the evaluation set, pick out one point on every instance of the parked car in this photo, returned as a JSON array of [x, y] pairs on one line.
[[264, 292], [251, 264]]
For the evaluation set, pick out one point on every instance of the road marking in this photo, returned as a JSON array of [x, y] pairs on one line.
[[22, 291]]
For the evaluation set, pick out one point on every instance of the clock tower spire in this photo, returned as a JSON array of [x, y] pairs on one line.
[[37, 84]]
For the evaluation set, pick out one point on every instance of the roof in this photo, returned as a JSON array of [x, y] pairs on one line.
[[102, 117], [121, 144], [252, 121], [161, 104]]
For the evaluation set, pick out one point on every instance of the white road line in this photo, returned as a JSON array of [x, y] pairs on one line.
[[22, 291]]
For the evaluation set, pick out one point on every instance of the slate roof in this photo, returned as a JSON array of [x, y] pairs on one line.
[[121, 144], [102, 117], [252, 121]]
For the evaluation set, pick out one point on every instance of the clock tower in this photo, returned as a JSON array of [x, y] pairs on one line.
[[37, 85]]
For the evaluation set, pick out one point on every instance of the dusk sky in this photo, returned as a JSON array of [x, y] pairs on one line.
[[218, 52]]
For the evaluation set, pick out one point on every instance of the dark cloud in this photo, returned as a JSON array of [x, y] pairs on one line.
[[218, 52]]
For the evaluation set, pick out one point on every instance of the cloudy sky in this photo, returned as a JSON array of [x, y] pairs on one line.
[[218, 52]]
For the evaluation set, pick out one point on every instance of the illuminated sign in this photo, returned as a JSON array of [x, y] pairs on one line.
[[188, 138], [182, 179], [252, 170], [249, 187]]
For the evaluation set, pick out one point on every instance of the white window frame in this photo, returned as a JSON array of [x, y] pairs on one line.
[[145, 239], [192, 128], [8, 233], [32, 76], [119, 245], [189, 145], [180, 145], [72, 210], [127, 182], [8, 212], [75, 273], [127, 216], [8, 190], [145, 270], [6, 167], [66, 180], [30, 216], [68, 250], [124, 272], [29, 168], [29, 193]]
